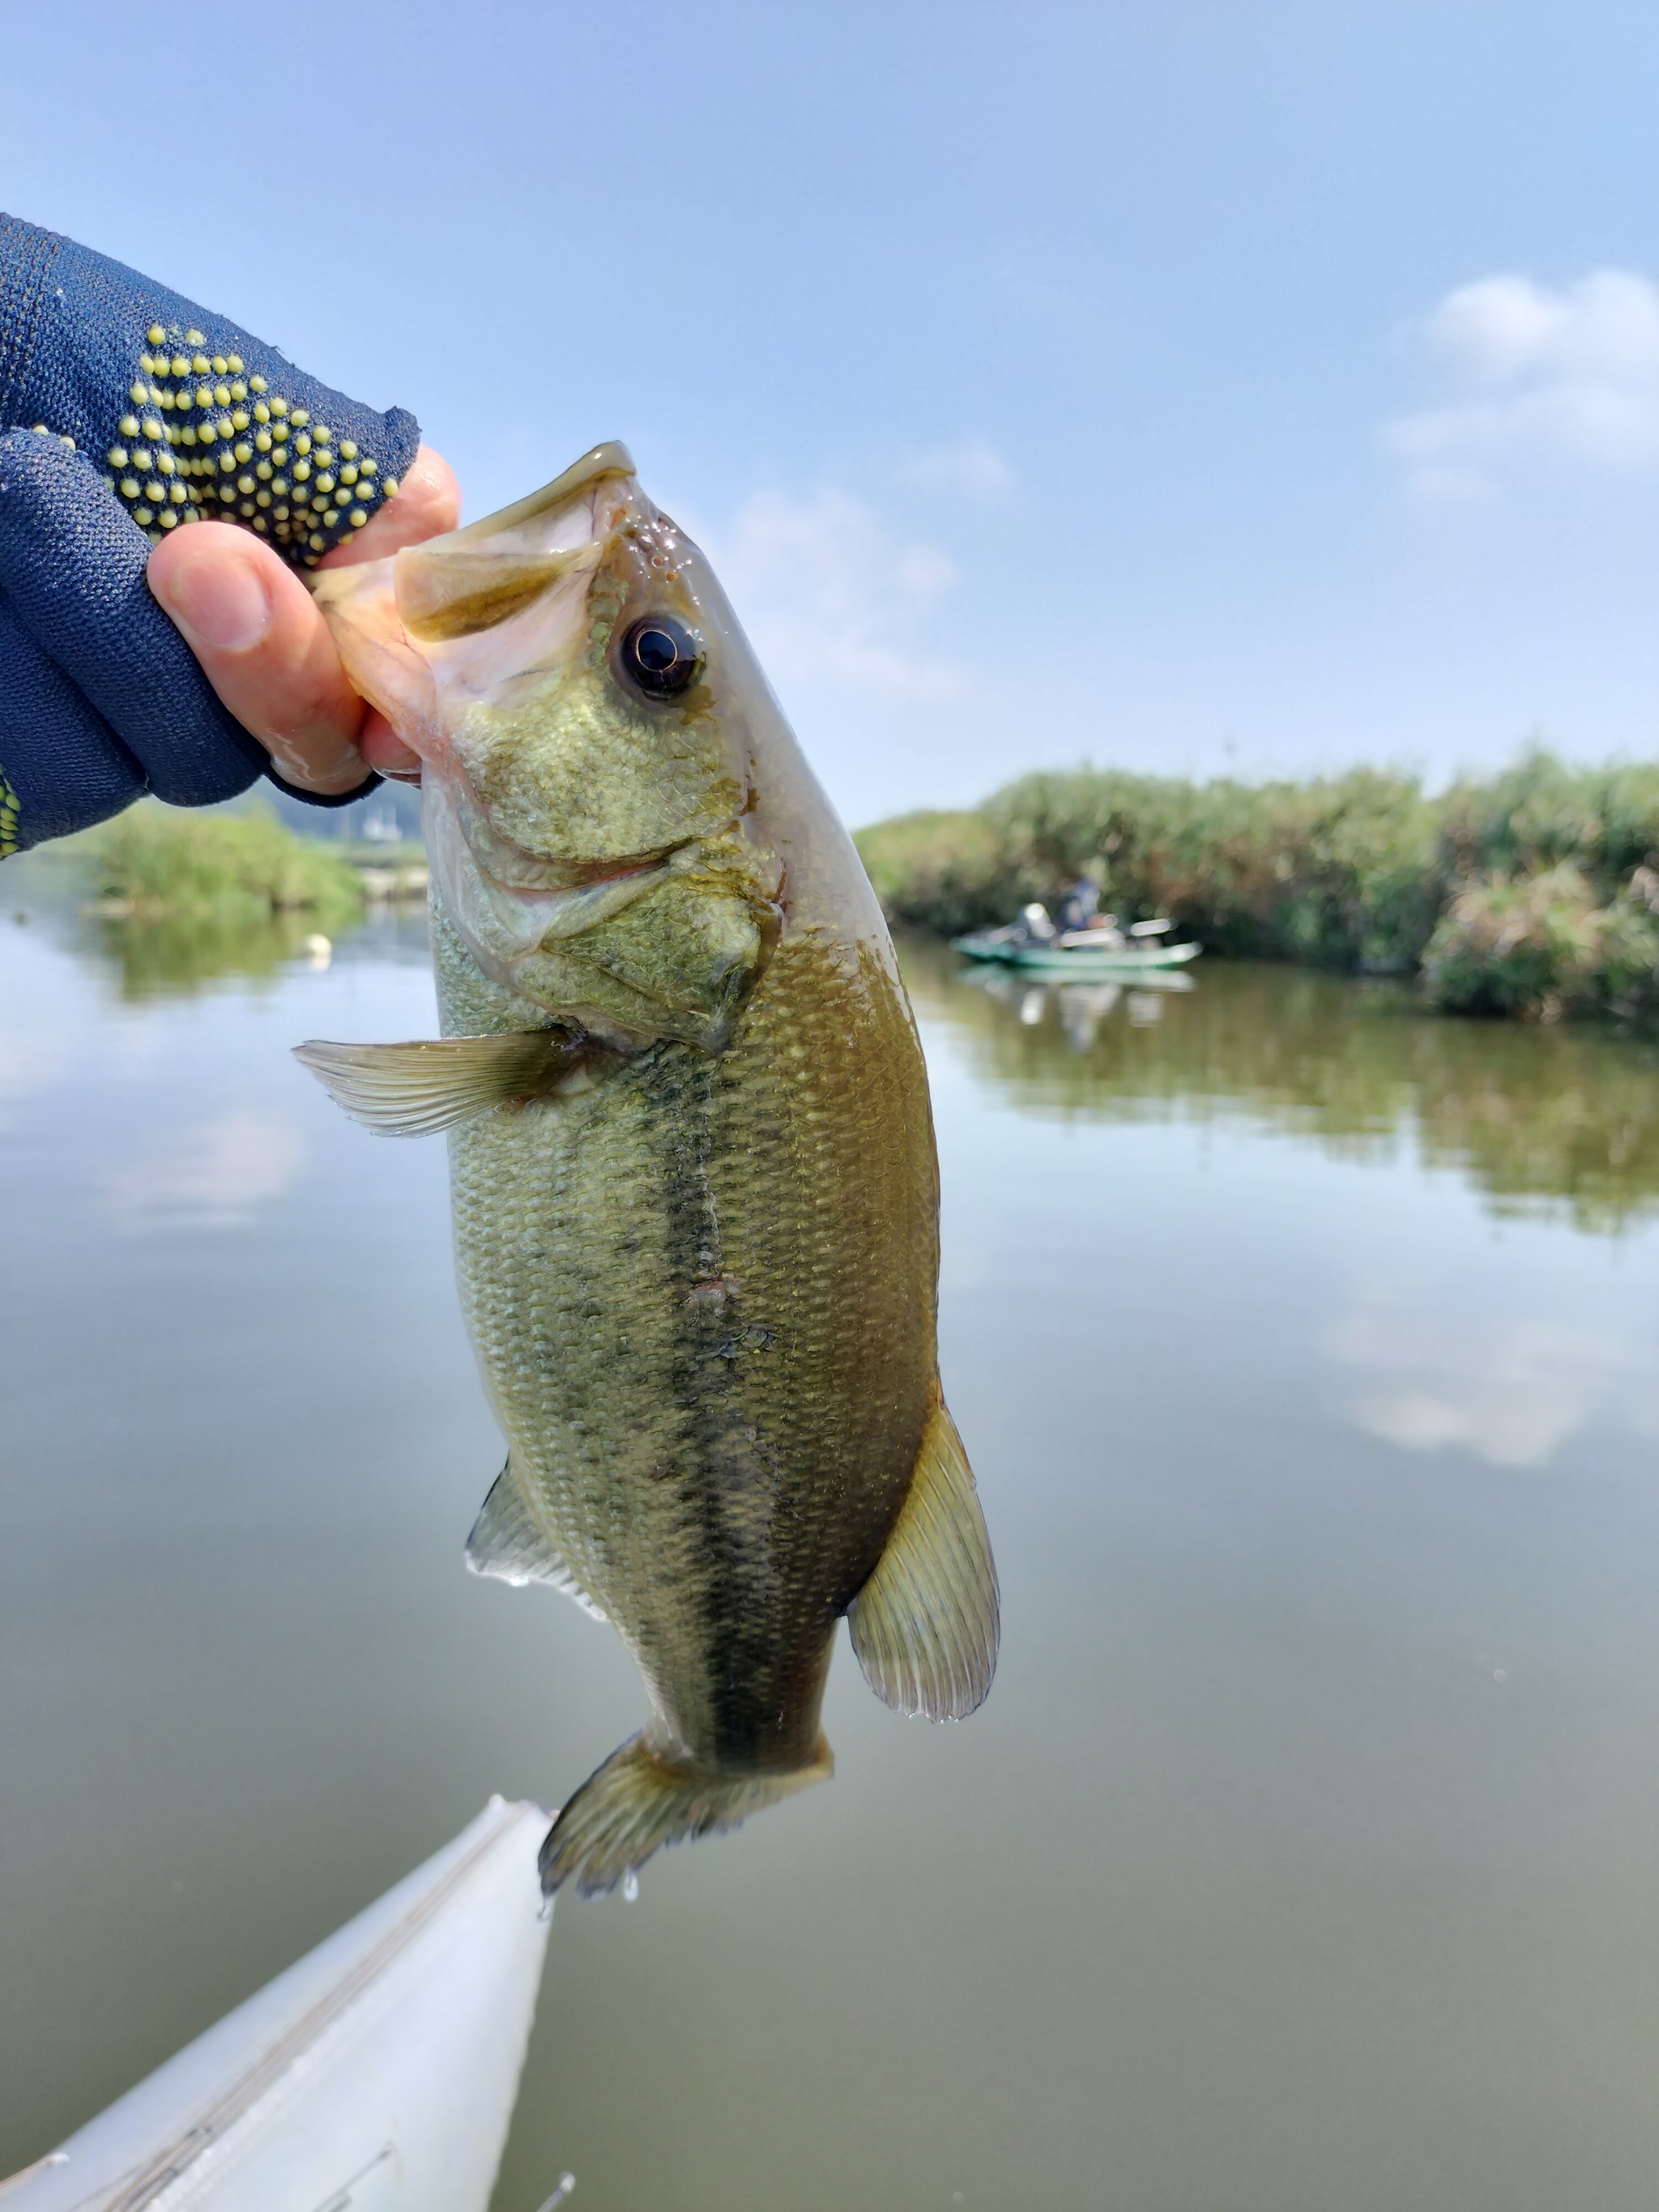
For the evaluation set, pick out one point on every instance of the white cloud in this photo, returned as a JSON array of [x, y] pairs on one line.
[[214, 1176], [1510, 1389], [829, 592], [972, 470], [1530, 371]]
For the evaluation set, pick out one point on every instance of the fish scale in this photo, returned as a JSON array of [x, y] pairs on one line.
[[692, 1166], [826, 1221]]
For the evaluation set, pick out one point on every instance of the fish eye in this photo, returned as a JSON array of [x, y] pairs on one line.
[[660, 657]]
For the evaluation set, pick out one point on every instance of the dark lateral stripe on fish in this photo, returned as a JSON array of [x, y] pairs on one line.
[[702, 1379]]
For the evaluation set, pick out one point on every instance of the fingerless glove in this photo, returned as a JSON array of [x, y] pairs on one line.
[[126, 412]]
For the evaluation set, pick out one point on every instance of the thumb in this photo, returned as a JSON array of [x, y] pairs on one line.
[[266, 651]]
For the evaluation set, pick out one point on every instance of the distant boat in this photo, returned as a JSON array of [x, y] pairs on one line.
[[1102, 949], [379, 2074]]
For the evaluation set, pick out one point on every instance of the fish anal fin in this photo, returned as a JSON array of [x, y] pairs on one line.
[[639, 1801], [509, 1543], [925, 1627], [411, 1090]]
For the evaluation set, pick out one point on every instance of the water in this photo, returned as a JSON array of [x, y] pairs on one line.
[[1305, 1854]]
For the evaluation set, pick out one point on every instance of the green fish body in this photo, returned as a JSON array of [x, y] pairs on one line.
[[692, 1164]]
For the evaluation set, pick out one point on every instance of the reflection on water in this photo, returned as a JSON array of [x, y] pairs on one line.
[[165, 958], [1511, 1387], [167, 955], [1304, 1855], [1565, 1115]]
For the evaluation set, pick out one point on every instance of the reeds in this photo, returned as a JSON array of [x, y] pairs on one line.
[[157, 861], [1534, 893]]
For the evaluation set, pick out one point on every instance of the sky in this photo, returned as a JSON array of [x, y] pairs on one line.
[[1246, 389]]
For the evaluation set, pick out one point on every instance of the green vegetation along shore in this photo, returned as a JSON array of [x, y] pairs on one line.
[[177, 897], [155, 860], [1535, 892]]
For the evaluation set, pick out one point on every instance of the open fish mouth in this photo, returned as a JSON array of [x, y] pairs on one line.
[[550, 910], [509, 900]]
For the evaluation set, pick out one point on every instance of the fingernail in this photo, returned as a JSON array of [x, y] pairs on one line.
[[344, 765], [385, 751], [218, 600]]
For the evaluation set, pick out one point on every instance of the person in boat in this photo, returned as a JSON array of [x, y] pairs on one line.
[[1081, 904], [1034, 926]]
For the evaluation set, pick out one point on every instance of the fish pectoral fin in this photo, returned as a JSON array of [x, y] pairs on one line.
[[926, 1624], [639, 1800], [411, 1090], [508, 1543]]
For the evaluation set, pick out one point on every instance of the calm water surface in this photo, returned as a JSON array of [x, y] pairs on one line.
[[1307, 1854]]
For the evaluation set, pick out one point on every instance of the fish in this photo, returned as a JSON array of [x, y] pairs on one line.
[[693, 1174]]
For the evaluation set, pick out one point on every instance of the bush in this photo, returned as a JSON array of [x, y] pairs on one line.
[[1338, 873], [1540, 945], [155, 860], [1533, 892], [950, 867], [1540, 812]]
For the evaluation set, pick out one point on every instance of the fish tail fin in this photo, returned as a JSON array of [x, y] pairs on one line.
[[639, 1801]]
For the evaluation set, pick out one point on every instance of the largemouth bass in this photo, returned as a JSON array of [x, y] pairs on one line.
[[692, 1164]]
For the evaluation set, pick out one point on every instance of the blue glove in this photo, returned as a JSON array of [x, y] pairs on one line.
[[125, 412]]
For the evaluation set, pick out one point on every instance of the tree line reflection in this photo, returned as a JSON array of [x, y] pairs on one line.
[[1559, 1119]]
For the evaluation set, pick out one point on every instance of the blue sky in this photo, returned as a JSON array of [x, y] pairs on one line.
[[1237, 388]]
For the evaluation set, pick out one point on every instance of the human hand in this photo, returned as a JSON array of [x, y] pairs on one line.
[[132, 421], [266, 650]]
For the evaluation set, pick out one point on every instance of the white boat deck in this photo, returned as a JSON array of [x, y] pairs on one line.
[[378, 2075]]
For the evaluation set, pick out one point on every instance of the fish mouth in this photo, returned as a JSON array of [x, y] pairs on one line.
[[525, 899], [572, 897], [517, 910]]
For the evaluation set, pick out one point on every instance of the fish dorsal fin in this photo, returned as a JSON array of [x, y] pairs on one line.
[[445, 591], [510, 1542], [926, 1623], [411, 1090]]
